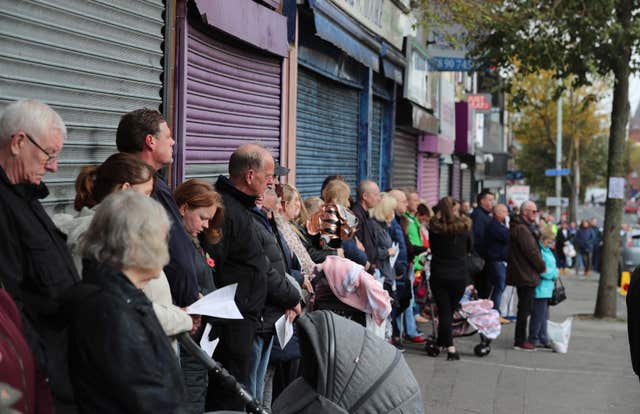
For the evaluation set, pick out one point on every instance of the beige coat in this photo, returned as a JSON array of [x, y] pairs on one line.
[[172, 318]]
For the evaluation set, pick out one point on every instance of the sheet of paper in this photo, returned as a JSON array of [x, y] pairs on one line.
[[219, 304], [208, 346], [284, 330], [395, 256], [616, 187]]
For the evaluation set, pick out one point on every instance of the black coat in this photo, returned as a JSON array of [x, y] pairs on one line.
[[497, 241], [481, 220], [449, 254], [382, 242], [239, 257], [633, 320], [311, 244], [37, 271], [281, 294], [122, 362], [181, 270], [560, 241], [365, 232]]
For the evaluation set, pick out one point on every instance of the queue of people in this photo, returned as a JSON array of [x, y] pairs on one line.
[[102, 294]]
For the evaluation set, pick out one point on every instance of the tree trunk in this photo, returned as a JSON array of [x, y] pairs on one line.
[[606, 301]]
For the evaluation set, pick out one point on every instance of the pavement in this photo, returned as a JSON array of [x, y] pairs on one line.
[[594, 376]]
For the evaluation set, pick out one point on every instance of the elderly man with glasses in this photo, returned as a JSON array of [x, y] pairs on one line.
[[36, 268], [524, 266]]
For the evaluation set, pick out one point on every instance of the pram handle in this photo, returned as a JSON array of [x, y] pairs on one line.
[[221, 375]]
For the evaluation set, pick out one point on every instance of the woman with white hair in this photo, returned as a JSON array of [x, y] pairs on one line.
[[122, 360]]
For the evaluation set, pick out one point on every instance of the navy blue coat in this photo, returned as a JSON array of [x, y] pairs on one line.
[[497, 241], [585, 240], [481, 220], [397, 235], [181, 270]]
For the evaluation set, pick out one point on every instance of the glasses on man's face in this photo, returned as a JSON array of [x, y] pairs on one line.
[[50, 158]]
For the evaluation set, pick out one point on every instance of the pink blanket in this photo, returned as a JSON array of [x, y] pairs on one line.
[[357, 288]]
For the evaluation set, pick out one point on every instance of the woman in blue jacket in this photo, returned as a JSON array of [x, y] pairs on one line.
[[585, 241], [538, 324]]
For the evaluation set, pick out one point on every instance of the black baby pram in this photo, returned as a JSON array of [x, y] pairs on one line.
[[460, 326], [346, 369]]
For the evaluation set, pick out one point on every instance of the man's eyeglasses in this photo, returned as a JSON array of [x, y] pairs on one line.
[[50, 157]]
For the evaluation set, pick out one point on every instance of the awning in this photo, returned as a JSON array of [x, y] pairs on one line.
[[337, 28], [414, 117], [247, 21]]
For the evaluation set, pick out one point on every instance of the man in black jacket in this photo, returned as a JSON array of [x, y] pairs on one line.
[[368, 198], [35, 266], [240, 259], [481, 217]]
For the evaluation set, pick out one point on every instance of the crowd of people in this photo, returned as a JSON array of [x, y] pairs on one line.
[[92, 303]]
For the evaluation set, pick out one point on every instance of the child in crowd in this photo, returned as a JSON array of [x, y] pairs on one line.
[[538, 324]]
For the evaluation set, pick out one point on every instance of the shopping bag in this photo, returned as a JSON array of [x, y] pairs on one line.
[[559, 335], [558, 295]]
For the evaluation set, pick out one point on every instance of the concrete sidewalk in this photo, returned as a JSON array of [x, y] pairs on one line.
[[595, 376]]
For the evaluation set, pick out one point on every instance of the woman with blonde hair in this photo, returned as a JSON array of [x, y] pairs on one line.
[[380, 218], [292, 210], [450, 240]]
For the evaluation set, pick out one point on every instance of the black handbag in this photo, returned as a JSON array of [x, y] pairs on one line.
[[475, 263], [559, 294]]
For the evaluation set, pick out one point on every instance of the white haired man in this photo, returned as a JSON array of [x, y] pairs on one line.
[[35, 265]]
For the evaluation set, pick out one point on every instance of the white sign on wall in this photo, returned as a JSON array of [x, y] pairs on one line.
[[518, 194], [447, 106]]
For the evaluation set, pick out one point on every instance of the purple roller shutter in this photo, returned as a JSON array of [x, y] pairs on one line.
[[233, 97], [428, 175], [455, 179]]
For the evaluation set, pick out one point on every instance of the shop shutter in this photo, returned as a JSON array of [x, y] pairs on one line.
[[327, 132], [233, 98], [455, 179], [467, 185], [376, 139], [429, 180], [444, 188], [92, 62], [405, 161]]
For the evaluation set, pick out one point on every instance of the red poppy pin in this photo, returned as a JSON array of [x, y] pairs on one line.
[[210, 261]]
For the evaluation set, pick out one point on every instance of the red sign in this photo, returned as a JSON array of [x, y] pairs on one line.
[[481, 102]]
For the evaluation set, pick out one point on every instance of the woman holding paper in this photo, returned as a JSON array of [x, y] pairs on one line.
[[122, 360], [381, 216]]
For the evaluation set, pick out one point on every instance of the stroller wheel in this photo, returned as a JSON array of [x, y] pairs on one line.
[[431, 349], [482, 350]]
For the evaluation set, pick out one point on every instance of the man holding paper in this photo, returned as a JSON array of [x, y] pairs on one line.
[[240, 259]]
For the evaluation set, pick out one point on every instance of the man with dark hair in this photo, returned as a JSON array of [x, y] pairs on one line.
[[145, 134], [240, 259], [481, 218], [368, 197]]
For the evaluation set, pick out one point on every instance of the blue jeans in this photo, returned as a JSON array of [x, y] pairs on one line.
[[497, 278], [258, 362], [538, 322]]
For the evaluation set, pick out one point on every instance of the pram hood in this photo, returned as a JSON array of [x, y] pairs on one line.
[[348, 370]]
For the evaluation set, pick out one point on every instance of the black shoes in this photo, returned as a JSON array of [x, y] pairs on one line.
[[453, 356]]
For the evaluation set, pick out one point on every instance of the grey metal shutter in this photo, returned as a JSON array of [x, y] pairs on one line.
[[405, 161], [376, 139], [445, 181], [92, 62], [233, 98], [466, 185], [327, 132], [429, 179], [455, 179]]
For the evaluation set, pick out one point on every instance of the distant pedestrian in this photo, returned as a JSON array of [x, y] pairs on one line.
[[524, 266], [451, 242], [563, 239], [585, 242], [538, 336], [597, 244]]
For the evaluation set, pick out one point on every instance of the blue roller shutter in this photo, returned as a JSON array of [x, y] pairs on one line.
[[376, 139], [327, 132]]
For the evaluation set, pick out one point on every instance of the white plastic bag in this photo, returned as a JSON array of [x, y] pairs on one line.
[[559, 335], [378, 330], [509, 302]]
